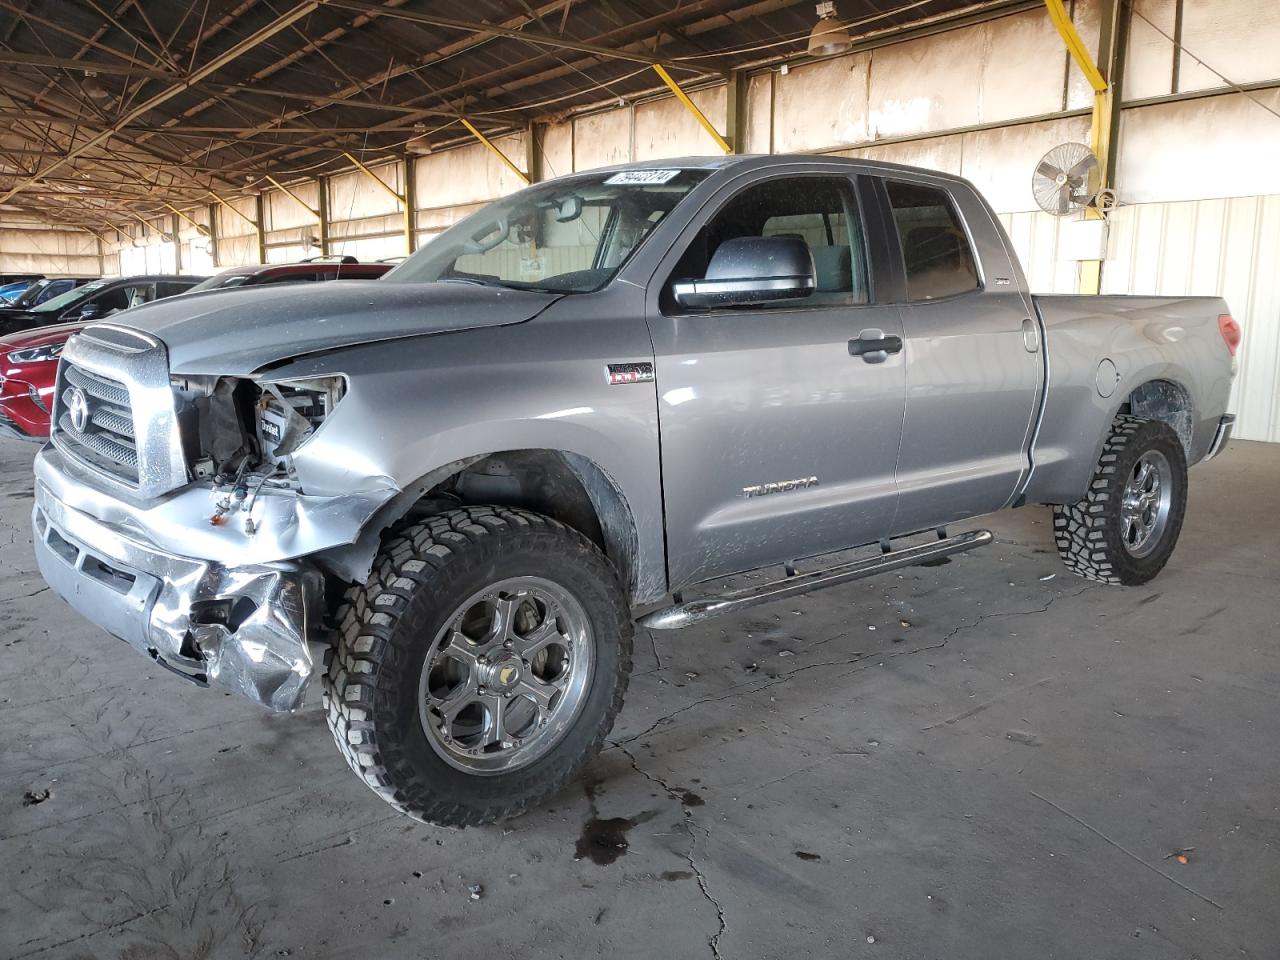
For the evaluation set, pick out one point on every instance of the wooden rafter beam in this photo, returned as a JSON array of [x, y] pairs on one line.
[[210, 67], [104, 67]]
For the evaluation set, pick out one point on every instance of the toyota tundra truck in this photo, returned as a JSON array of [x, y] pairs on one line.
[[452, 491]]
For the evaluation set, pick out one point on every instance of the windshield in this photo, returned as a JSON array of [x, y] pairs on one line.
[[71, 296], [32, 293], [11, 290], [566, 236]]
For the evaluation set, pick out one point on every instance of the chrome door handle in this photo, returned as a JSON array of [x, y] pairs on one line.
[[1030, 336], [873, 346]]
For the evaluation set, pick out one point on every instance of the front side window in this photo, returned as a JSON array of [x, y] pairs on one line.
[[566, 236], [936, 253], [821, 211]]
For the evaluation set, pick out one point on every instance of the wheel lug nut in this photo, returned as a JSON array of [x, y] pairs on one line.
[[508, 644], [481, 689]]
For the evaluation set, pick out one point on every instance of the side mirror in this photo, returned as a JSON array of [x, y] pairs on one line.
[[90, 311], [751, 270]]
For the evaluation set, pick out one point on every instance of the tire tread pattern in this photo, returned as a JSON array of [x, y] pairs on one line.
[[366, 668], [1082, 529]]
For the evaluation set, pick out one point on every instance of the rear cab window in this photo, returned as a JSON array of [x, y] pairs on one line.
[[937, 256]]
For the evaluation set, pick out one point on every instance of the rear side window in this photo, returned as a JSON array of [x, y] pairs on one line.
[[935, 250], [290, 278]]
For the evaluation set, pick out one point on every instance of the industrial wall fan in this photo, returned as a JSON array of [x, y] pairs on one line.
[[1067, 179]]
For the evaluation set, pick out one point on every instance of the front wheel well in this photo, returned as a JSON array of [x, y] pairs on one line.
[[1167, 402], [564, 486]]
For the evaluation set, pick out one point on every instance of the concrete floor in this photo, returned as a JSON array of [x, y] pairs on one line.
[[988, 759]]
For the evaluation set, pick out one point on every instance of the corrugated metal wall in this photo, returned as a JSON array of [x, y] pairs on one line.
[[1228, 248]]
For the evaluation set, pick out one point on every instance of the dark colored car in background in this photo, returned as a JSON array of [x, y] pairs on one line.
[[42, 291], [345, 268], [96, 300]]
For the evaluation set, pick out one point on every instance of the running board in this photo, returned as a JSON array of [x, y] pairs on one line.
[[695, 611]]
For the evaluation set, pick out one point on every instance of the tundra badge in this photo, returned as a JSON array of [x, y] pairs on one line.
[[782, 486]]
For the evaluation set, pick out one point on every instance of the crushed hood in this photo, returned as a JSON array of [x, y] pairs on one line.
[[240, 330]]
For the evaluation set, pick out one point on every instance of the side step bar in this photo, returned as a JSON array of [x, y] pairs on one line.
[[695, 611]]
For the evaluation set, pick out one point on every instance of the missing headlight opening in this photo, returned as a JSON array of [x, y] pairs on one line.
[[240, 433], [289, 412]]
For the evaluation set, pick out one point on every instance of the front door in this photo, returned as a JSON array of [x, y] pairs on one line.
[[779, 439]]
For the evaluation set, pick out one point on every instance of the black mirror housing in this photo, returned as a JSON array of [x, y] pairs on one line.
[[749, 270]]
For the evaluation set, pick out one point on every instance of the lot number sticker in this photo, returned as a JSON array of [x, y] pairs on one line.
[[643, 176]]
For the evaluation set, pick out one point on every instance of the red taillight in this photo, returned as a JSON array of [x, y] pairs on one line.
[[1231, 332]]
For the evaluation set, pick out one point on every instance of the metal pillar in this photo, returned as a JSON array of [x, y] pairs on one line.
[[260, 213], [410, 203], [1104, 77], [735, 120], [322, 197]]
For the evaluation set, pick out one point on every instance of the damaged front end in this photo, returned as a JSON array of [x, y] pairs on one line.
[[209, 558]]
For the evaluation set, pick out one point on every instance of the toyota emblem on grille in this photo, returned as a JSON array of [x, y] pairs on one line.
[[78, 408]]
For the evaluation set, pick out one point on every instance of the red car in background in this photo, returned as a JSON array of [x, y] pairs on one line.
[[318, 269], [28, 370]]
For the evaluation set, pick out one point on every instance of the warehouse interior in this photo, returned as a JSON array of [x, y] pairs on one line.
[[984, 758]]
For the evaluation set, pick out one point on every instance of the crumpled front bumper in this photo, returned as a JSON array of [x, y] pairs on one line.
[[245, 627]]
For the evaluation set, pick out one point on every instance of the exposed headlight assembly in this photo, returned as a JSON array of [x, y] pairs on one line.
[[291, 411], [49, 351]]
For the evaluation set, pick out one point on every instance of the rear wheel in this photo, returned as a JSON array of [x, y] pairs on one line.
[[481, 665], [1126, 527]]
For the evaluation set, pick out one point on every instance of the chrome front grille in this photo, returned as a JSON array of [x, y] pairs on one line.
[[95, 419], [114, 412]]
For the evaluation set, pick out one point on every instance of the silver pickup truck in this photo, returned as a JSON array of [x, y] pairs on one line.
[[590, 401]]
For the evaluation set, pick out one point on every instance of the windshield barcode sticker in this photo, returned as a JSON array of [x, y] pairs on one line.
[[643, 176]]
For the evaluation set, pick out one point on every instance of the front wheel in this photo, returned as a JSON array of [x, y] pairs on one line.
[[480, 666], [1127, 525]]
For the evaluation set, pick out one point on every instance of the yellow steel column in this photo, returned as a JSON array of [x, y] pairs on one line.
[[1100, 129], [692, 108], [493, 148], [200, 227], [297, 199]]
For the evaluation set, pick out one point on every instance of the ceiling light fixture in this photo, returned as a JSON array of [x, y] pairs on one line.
[[94, 88], [829, 35]]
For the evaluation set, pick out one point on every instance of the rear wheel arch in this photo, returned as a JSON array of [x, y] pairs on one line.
[[1168, 402]]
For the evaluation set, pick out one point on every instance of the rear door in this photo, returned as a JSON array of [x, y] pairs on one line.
[[777, 441], [973, 366]]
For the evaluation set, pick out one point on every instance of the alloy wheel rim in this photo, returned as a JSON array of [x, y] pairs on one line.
[[507, 675], [1147, 503]]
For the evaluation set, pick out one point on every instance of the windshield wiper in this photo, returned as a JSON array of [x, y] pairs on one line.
[[471, 280]]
